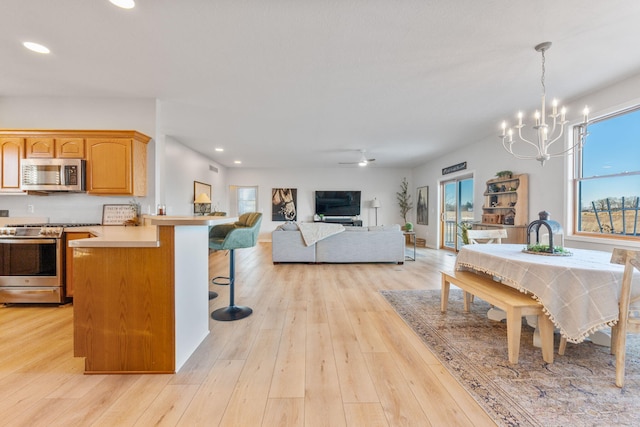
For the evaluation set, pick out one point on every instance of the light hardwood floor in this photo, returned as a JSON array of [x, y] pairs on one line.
[[322, 348]]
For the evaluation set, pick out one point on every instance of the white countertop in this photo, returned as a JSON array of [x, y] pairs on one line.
[[116, 236], [189, 220]]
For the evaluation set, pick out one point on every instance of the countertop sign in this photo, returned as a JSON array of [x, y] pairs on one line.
[[117, 214]]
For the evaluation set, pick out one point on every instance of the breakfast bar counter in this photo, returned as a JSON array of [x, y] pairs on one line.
[[141, 294]]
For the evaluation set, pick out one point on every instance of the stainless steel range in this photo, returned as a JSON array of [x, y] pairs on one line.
[[32, 263]]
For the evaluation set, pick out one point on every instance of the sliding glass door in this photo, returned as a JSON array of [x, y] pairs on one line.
[[456, 208]]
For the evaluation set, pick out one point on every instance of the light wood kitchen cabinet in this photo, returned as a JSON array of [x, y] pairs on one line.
[[51, 146], [11, 153], [117, 165], [40, 147], [126, 304], [68, 236], [116, 159], [70, 148]]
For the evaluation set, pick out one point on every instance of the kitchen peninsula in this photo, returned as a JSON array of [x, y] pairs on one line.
[[141, 294]]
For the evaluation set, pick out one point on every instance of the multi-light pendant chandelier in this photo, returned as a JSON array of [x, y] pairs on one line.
[[548, 128]]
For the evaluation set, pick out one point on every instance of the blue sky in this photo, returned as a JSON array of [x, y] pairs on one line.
[[612, 147]]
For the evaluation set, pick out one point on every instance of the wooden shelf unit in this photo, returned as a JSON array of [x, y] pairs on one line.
[[506, 205]]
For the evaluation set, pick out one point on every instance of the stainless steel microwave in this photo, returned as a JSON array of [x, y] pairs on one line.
[[52, 175]]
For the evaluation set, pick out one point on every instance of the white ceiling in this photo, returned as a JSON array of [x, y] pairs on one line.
[[310, 83]]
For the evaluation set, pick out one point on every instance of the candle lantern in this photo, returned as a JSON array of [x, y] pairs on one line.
[[555, 235]]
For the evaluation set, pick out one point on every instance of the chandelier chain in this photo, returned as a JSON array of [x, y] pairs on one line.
[[544, 87]]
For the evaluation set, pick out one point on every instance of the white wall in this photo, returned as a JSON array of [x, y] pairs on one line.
[[182, 167], [382, 183], [76, 113], [548, 184]]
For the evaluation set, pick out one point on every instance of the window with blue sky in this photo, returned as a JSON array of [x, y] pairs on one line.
[[608, 178]]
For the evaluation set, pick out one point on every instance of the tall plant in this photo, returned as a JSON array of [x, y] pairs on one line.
[[404, 199]]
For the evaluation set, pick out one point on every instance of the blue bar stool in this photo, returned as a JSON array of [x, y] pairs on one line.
[[241, 234]]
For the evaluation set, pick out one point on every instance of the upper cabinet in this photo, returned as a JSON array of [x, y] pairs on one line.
[[70, 148], [116, 159], [11, 153], [38, 147], [117, 164], [55, 147]]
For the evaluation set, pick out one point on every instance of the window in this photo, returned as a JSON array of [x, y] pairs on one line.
[[607, 177], [247, 199]]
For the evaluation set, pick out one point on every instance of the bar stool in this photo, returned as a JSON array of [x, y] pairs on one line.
[[216, 280], [241, 234]]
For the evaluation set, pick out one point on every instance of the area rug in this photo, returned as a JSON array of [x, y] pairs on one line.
[[578, 389]]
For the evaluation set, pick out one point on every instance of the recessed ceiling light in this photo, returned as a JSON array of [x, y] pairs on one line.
[[220, 150], [36, 47], [125, 4], [237, 162]]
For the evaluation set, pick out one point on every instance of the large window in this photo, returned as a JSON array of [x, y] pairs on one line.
[[607, 177], [247, 198]]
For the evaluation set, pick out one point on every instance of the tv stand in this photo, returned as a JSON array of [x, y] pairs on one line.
[[342, 220]]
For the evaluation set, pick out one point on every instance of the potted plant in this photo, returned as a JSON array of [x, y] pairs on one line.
[[504, 174], [464, 228], [404, 200]]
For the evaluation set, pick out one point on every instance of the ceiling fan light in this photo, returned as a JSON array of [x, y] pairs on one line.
[[36, 47], [125, 4], [363, 163]]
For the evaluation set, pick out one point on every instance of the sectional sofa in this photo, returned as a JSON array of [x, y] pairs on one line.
[[353, 245]]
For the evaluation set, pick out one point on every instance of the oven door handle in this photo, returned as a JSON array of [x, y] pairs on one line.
[[28, 241]]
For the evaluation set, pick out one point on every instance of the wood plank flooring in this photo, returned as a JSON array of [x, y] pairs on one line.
[[322, 348]]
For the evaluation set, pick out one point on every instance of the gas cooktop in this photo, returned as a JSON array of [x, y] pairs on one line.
[[45, 229]]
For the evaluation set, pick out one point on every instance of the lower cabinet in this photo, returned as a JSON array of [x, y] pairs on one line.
[[515, 233], [69, 258]]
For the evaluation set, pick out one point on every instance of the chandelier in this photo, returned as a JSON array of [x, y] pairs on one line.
[[546, 132]]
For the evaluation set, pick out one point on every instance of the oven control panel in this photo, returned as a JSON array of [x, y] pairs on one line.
[[30, 232], [51, 231], [7, 231]]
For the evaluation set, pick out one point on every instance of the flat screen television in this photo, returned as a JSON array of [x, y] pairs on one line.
[[338, 203]]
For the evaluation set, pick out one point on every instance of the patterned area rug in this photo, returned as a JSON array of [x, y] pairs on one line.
[[578, 389]]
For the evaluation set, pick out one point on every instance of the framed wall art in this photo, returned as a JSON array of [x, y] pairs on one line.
[[422, 206], [283, 204], [201, 198]]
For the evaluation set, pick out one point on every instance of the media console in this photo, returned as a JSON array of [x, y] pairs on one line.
[[343, 221]]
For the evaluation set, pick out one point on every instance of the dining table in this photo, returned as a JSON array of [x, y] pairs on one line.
[[578, 290]]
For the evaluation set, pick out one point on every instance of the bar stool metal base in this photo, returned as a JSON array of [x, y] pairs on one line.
[[217, 280], [232, 312]]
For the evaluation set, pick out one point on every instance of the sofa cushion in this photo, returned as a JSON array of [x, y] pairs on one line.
[[393, 227], [356, 229], [288, 226]]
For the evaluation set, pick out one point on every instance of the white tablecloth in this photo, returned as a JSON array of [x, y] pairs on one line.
[[579, 293]]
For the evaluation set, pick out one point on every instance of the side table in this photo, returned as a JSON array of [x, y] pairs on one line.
[[412, 236]]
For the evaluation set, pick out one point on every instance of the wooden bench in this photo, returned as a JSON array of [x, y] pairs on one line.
[[514, 302]]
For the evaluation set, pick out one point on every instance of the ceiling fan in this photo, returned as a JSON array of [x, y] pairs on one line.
[[362, 162]]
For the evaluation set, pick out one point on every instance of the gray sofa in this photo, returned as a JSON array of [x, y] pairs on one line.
[[355, 244]]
